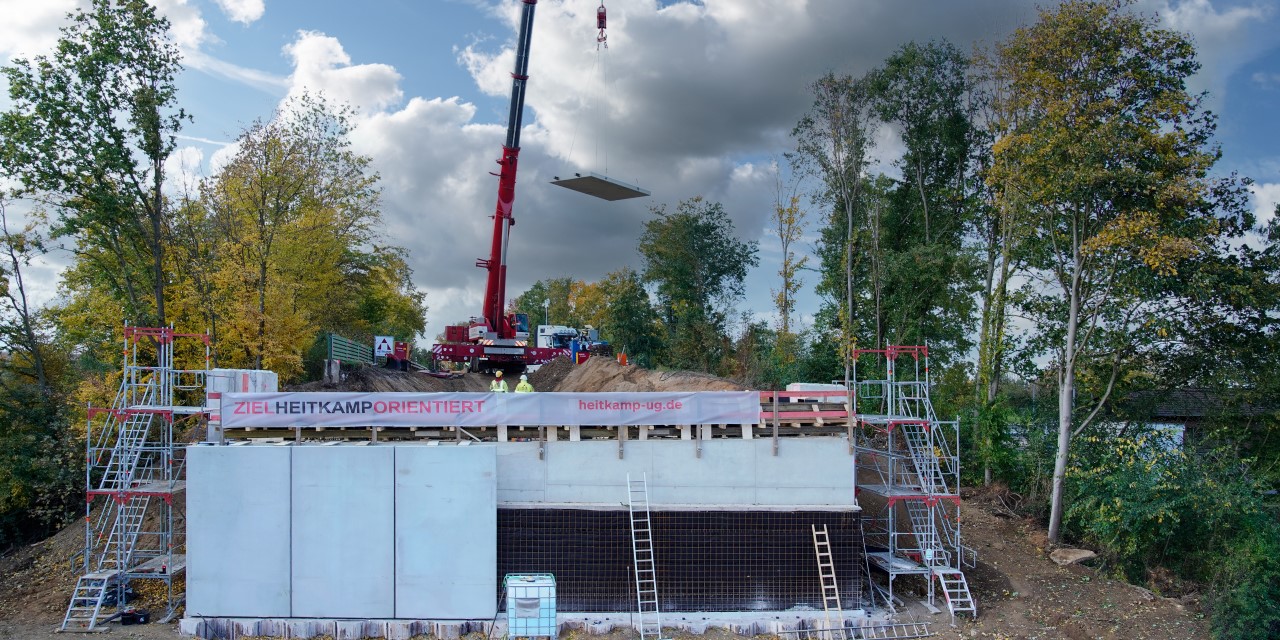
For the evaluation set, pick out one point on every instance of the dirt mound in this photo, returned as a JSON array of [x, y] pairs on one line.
[[38, 578], [370, 379], [605, 374], [549, 376], [594, 375]]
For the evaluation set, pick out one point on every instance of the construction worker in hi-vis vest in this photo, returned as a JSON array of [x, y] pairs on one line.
[[524, 386], [498, 385]]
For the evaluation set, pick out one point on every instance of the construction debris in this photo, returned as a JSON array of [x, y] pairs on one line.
[[1065, 557]]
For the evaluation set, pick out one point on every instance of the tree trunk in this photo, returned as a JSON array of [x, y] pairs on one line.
[[130, 293], [1066, 391], [924, 202], [157, 240], [1065, 388], [875, 276], [24, 311], [848, 290], [262, 314]]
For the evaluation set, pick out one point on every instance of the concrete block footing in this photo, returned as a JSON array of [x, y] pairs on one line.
[[232, 628], [744, 624]]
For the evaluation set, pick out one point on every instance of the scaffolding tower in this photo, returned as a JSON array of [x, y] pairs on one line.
[[910, 460], [133, 470]]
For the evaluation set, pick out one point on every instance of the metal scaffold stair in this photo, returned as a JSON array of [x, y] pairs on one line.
[[85, 611], [827, 578], [130, 473], [932, 551], [915, 458], [650, 619], [133, 431], [117, 551], [956, 589], [920, 445]]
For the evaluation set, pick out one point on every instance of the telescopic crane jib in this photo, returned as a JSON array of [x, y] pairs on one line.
[[496, 340]]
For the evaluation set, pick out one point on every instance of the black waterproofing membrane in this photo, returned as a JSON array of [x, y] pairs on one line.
[[705, 560]]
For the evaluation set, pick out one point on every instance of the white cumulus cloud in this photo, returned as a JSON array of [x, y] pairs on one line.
[[30, 29], [242, 11], [1266, 196], [186, 23], [320, 64], [1226, 38]]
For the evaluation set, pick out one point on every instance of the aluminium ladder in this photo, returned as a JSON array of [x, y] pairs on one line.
[[827, 578], [642, 557], [895, 630]]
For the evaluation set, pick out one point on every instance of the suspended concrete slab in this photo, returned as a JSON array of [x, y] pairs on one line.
[[603, 187]]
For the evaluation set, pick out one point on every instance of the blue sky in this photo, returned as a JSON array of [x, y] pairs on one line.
[[694, 99]]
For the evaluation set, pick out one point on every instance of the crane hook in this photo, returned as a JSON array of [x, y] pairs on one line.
[[602, 40]]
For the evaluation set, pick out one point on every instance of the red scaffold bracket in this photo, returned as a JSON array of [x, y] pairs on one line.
[[602, 40]]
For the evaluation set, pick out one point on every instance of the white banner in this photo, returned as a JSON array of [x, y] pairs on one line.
[[303, 409]]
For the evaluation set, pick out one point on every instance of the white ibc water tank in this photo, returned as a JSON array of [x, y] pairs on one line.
[[531, 605]]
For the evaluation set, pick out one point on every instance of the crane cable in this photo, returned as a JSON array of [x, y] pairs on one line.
[[597, 74]]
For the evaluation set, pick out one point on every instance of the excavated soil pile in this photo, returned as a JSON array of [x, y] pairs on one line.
[[604, 374], [38, 578], [549, 376], [594, 375], [375, 379]]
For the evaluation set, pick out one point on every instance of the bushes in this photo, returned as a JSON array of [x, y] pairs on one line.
[[41, 467], [1146, 503], [1246, 592]]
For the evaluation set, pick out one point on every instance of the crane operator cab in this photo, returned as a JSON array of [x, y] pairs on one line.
[[520, 322]]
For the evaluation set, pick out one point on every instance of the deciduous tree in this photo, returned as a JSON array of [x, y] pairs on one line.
[[698, 267], [1111, 155], [833, 141], [294, 208], [89, 133]]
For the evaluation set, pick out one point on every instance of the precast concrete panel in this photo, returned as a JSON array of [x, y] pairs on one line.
[[814, 471], [446, 532], [343, 532], [238, 531], [591, 472]]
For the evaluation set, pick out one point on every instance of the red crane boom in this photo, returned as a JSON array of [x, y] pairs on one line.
[[495, 340]]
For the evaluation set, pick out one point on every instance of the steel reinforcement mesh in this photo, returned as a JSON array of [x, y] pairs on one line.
[[705, 560]]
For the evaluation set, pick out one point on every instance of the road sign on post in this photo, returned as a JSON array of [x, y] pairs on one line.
[[384, 345]]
